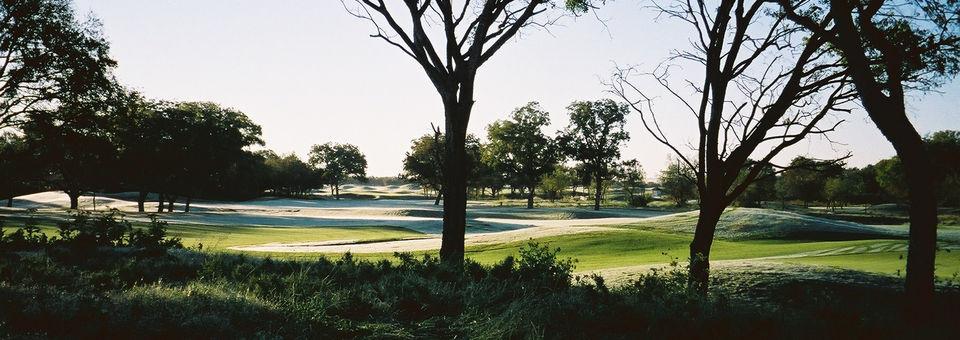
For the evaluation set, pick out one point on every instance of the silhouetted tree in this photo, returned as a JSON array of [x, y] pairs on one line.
[[48, 57], [593, 138], [765, 86], [890, 47], [73, 144], [18, 167], [339, 162], [519, 146], [451, 42]]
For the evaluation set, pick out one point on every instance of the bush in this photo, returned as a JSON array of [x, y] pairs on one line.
[[639, 200]]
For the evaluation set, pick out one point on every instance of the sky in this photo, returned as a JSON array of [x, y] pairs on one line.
[[309, 73]]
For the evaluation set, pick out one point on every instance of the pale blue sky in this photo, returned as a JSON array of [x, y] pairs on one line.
[[308, 73]]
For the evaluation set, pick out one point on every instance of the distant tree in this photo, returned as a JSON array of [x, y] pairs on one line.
[[48, 57], [632, 181], [679, 183], [891, 178], [423, 164], [18, 167], [553, 184], [843, 189], [339, 162], [805, 179], [290, 176], [764, 188], [201, 142], [489, 174], [593, 138], [137, 132], [519, 146], [451, 42], [944, 148]]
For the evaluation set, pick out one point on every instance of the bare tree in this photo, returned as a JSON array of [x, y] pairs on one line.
[[891, 47], [765, 87], [450, 40]]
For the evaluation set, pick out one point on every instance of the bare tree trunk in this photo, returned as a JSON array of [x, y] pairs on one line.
[[700, 246], [455, 183], [530, 197], [160, 203], [74, 199], [141, 198], [439, 196], [598, 195], [10, 202], [170, 200], [186, 207], [921, 254]]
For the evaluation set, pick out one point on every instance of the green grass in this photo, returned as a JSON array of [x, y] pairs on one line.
[[219, 238], [636, 247], [889, 263]]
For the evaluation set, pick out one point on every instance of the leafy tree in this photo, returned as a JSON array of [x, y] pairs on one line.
[[944, 147], [199, 142], [890, 47], [17, 166], [678, 182], [74, 145], [632, 181], [891, 179], [553, 184], [290, 176], [519, 146], [470, 33], [762, 189], [805, 179], [423, 164], [594, 137], [48, 57], [843, 189], [764, 85], [339, 162]]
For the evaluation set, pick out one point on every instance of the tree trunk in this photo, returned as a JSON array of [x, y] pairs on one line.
[[885, 105], [598, 195], [455, 182], [700, 246], [74, 199], [530, 198], [439, 196], [170, 200], [186, 207], [10, 202], [141, 198], [921, 253], [160, 203]]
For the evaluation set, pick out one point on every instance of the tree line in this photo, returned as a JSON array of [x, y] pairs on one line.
[[67, 124], [521, 156]]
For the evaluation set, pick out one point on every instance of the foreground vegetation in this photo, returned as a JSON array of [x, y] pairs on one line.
[[64, 287]]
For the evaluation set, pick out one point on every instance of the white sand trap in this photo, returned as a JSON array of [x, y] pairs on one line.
[[432, 243]]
